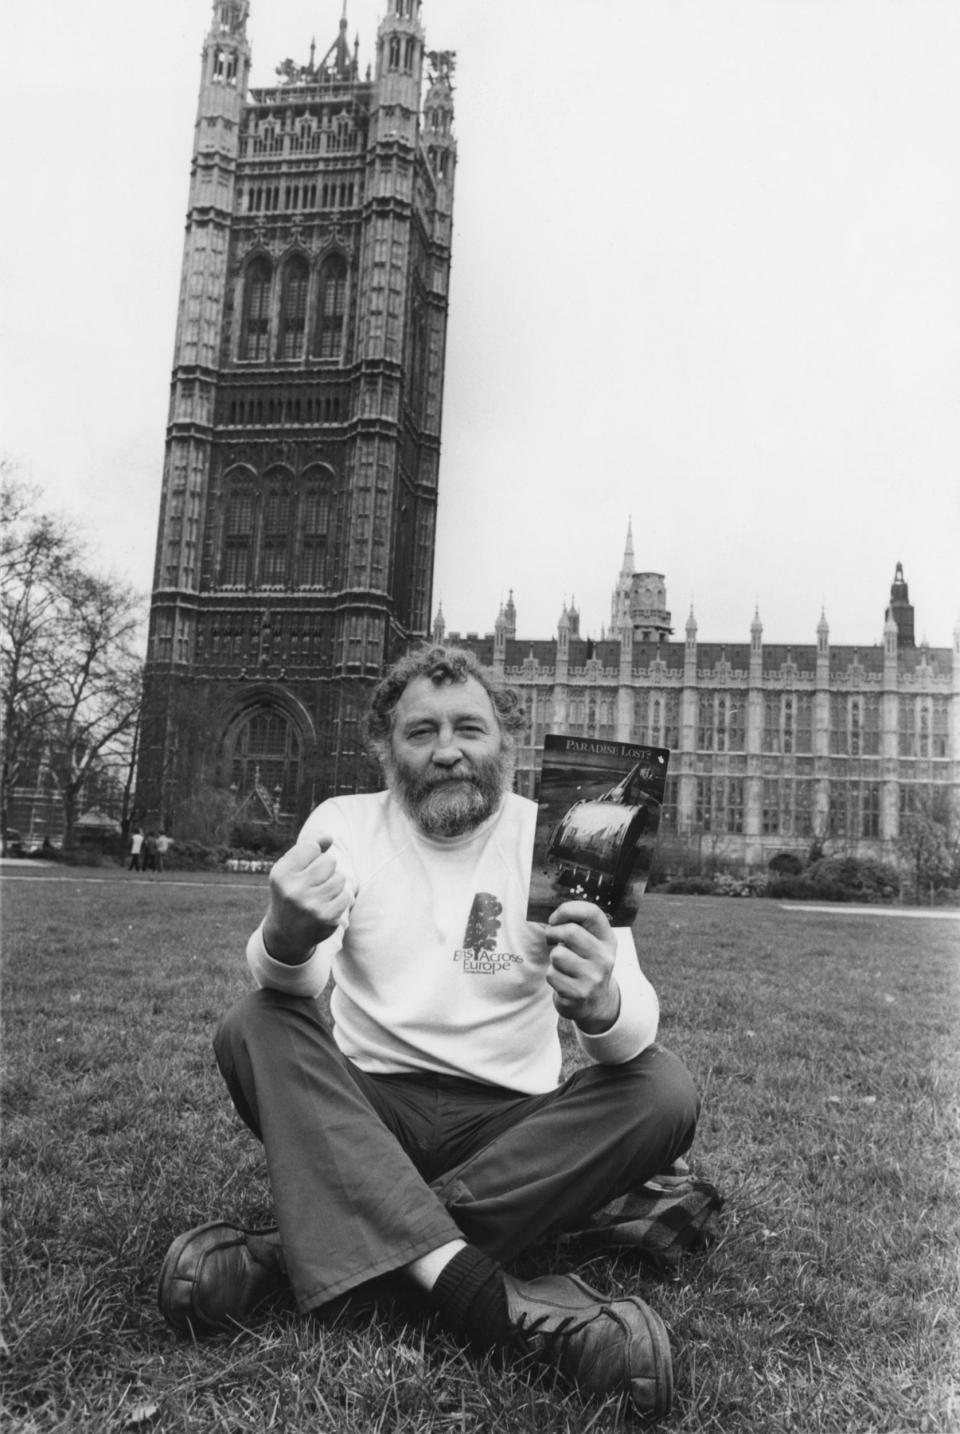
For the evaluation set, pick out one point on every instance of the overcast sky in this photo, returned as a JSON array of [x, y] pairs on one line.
[[706, 272]]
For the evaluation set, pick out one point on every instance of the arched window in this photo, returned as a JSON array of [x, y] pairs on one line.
[[332, 307], [275, 533], [293, 307], [266, 755], [236, 569], [256, 309], [315, 520]]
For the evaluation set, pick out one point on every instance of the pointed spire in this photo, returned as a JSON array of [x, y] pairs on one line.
[[756, 635], [510, 615], [439, 625], [628, 568]]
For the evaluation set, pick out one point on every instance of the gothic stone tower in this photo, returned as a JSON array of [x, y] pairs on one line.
[[296, 534]]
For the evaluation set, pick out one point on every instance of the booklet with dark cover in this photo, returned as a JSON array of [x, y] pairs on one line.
[[597, 824]]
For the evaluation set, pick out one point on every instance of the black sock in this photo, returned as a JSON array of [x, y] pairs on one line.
[[471, 1299]]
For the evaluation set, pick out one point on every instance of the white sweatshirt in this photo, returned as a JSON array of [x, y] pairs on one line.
[[435, 966]]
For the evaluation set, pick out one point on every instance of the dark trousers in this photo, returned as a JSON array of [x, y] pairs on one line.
[[369, 1172]]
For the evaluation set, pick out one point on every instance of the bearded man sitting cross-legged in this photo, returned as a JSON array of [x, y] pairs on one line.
[[428, 1134]]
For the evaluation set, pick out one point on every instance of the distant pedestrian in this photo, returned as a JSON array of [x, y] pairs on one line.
[[163, 846], [150, 852], [136, 846]]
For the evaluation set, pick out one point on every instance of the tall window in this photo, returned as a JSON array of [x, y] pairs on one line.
[[705, 719], [734, 805], [803, 794], [275, 542], [871, 727], [316, 507], [703, 815], [237, 561], [641, 716], [332, 307], [907, 728], [941, 727], [293, 307], [804, 718], [770, 823], [870, 810], [256, 310], [671, 720], [839, 724], [771, 724], [738, 723]]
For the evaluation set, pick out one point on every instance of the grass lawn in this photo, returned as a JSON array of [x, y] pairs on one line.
[[826, 1049]]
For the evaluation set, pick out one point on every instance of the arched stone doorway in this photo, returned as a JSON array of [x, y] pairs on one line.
[[267, 757]]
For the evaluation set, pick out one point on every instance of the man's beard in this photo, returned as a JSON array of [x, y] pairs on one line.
[[452, 802]]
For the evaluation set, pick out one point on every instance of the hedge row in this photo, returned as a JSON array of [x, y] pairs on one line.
[[832, 878]]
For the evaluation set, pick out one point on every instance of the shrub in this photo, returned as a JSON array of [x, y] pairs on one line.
[[689, 886], [788, 888], [858, 879], [254, 837], [728, 885], [839, 878], [193, 856]]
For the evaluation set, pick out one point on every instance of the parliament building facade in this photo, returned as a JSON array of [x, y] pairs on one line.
[[296, 534], [773, 747]]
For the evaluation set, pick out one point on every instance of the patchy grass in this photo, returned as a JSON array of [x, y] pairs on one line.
[[825, 1046]]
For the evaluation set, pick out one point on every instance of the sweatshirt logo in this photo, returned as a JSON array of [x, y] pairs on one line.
[[478, 954]]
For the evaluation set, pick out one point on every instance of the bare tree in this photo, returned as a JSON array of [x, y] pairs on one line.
[[36, 551], [97, 694], [71, 669]]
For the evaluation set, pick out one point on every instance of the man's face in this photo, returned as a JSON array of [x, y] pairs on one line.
[[448, 762]]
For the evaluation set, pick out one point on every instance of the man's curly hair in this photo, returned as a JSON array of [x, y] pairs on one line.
[[441, 664]]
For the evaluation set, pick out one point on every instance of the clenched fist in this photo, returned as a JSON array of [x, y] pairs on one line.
[[308, 895]]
